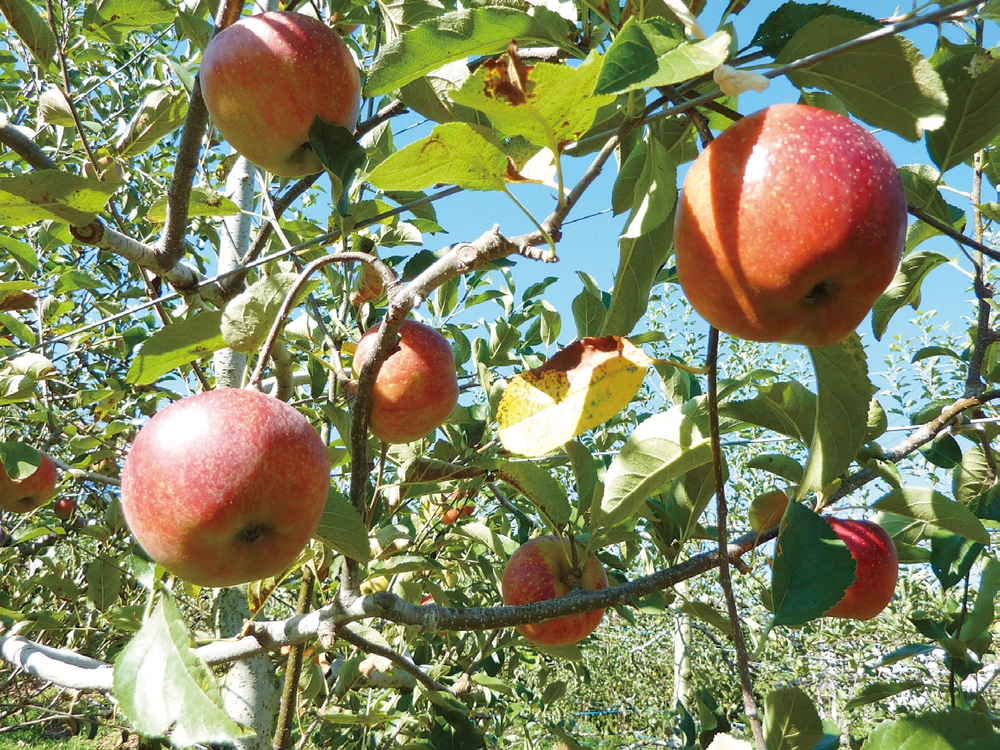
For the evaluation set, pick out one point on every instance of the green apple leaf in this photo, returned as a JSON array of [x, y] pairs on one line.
[[461, 34], [248, 317], [19, 460], [204, 202], [978, 621], [175, 345], [879, 691], [844, 394], [778, 464], [343, 529], [887, 82], [658, 451], [104, 582], [540, 488], [455, 153], [951, 730], [934, 509], [160, 114], [341, 154], [52, 194], [558, 107], [780, 26], [791, 721], [111, 20], [812, 567], [31, 29], [162, 685], [656, 53], [707, 613], [973, 477], [787, 408], [639, 262], [589, 314], [952, 557], [972, 81]]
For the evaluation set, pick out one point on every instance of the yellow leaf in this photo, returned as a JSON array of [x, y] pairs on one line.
[[582, 386]]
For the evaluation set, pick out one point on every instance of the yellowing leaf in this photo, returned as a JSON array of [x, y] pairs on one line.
[[582, 386]]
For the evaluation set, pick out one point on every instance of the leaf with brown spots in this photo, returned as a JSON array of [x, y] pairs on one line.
[[582, 386], [507, 77]]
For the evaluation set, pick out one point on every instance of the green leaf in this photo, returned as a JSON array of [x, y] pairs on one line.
[[341, 154], [791, 721], [160, 113], [779, 27], [844, 393], [111, 20], [658, 451], [951, 730], [934, 509], [559, 108], [18, 328], [972, 477], [249, 316], [656, 53], [905, 287], [52, 194], [971, 79], [455, 153], [104, 582], [162, 685], [639, 261], [175, 345], [879, 691], [707, 613], [787, 408], [540, 488], [778, 464], [461, 34], [343, 529], [886, 83], [31, 29], [204, 202], [812, 567], [655, 194], [978, 621], [952, 557], [19, 460], [589, 314]]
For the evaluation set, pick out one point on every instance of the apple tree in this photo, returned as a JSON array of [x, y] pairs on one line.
[[426, 172]]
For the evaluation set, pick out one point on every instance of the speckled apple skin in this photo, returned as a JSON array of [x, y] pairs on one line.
[[33, 491], [225, 487], [416, 387], [789, 226], [538, 571], [266, 78], [878, 567]]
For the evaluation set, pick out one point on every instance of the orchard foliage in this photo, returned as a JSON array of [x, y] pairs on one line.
[[140, 261]]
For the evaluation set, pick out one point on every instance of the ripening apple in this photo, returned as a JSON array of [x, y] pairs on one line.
[[789, 227], [453, 514], [64, 508], [33, 491], [267, 77], [877, 569], [541, 569], [225, 487], [416, 387]]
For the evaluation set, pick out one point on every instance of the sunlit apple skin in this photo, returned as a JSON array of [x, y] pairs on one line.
[[225, 487], [451, 515], [789, 226], [539, 570], [33, 491], [267, 77], [416, 387], [64, 507], [878, 567]]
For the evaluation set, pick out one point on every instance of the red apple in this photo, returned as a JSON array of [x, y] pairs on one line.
[[64, 507], [453, 514], [878, 566], [266, 78], [416, 387], [541, 569], [790, 225], [225, 487], [33, 491]]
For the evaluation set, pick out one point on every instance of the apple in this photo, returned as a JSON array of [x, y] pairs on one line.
[[789, 226], [453, 514], [33, 491], [541, 569], [225, 487], [64, 507], [878, 566], [267, 77], [416, 387]]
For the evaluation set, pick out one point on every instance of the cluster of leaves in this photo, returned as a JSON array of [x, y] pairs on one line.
[[623, 460]]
